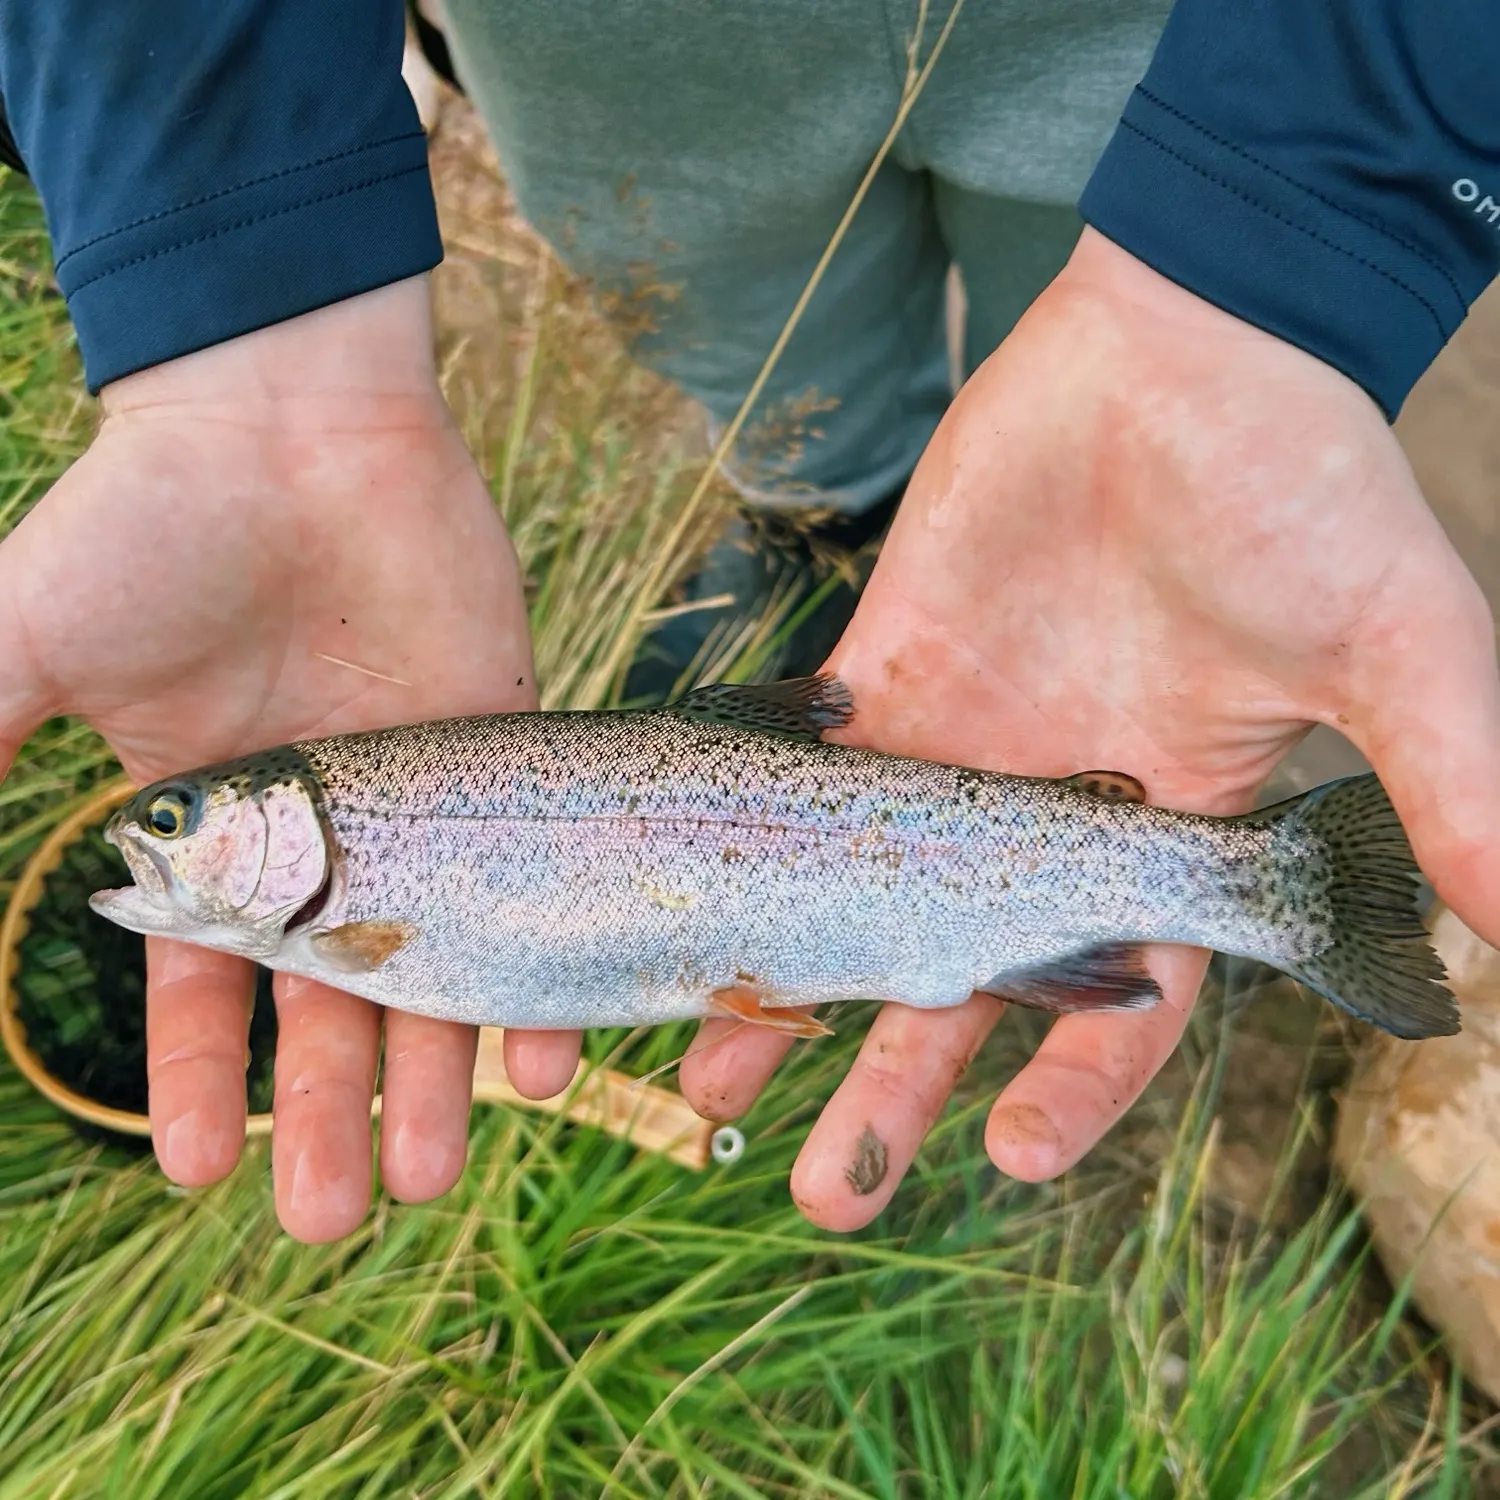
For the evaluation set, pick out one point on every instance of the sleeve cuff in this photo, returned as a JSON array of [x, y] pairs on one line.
[[1260, 245], [251, 255]]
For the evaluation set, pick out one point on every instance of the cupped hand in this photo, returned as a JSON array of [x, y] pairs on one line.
[[1147, 537], [280, 537]]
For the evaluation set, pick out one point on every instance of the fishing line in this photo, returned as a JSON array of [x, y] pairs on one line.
[[667, 1067], [719, 1040]]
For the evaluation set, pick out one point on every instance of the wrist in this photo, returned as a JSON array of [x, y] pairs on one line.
[[349, 363], [1100, 266], [1170, 334]]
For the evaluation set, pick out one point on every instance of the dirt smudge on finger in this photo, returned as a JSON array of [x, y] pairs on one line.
[[867, 1171]]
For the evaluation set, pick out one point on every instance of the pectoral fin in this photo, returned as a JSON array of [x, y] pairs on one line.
[[1107, 978], [743, 1003], [359, 947], [1114, 786]]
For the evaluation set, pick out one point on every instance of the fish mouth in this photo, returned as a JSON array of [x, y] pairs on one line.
[[148, 905], [148, 869]]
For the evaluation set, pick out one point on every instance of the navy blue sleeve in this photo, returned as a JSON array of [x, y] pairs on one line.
[[209, 167], [1328, 170]]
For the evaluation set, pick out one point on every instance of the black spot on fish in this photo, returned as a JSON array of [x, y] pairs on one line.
[[969, 785], [246, 777]]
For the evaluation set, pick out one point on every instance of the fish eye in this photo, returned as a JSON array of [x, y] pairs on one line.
[[168, 813]]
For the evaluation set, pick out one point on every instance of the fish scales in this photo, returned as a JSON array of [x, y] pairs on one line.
[[632, 866], [597, 869]]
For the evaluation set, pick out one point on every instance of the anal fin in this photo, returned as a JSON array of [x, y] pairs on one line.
[[743, 1003], [1111, 977]]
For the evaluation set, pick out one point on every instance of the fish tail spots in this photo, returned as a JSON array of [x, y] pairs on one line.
[[1380, 966]]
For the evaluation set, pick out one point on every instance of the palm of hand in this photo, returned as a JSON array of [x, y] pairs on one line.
[[1146, 538], [194, 589], [202, 618]]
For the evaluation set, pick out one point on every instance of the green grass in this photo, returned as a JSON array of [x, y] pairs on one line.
[[577, 1319], [45, 422]]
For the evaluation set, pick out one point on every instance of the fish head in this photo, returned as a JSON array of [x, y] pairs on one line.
[[227, 857]]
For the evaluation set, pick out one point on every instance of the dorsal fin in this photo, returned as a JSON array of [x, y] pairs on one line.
[[802, 707], [1113, 786]]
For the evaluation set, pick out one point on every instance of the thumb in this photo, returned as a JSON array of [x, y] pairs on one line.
[[23, 702], [1429, 724]]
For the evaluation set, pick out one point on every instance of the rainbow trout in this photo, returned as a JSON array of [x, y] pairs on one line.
[[620, 868]]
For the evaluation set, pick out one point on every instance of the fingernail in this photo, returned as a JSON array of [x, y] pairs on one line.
[[1023, 1142], [191, 1151], [423, 1162], [537, 1067], [302, 1190]]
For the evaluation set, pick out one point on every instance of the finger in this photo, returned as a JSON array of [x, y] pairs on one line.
[[1087, 1073], [198, 1006], [426, 1092], [327, 1047], [1427, 717], [541, 1064], [868, 1133], [727, 1065]]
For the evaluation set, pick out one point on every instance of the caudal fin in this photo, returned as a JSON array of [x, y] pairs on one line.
[[1380, 966]]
